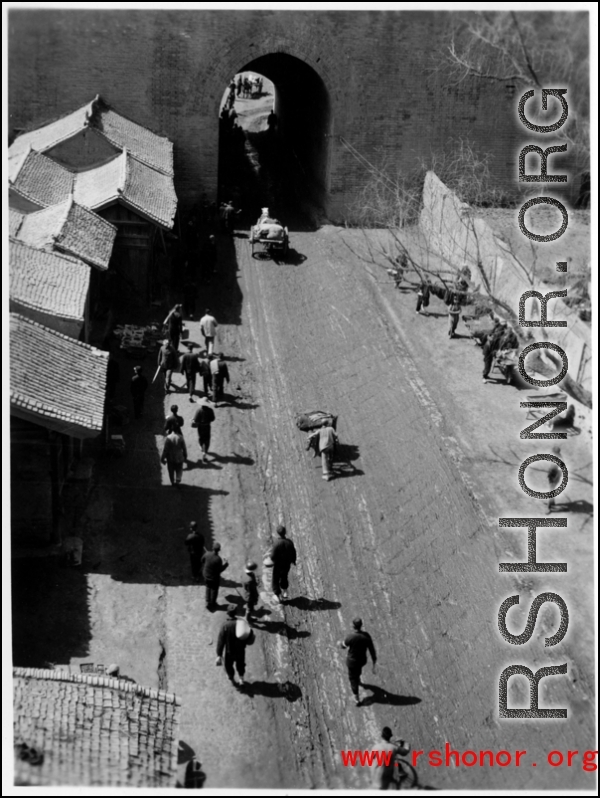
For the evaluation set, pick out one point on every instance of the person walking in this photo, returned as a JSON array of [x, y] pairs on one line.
[[174, 422], [208, 328], [219, 374], [190, 367], [194, 543], [174, 325], [283, 555], [174, 455], [167, 362], [423, 296], [238, 85], [204, 371], [554, 476], [250, 587], [213, 566], [231, 649], [453, 315], [138, 388], [203, 418], [490, 347], [327, 438], [358, 643], [386, 773]]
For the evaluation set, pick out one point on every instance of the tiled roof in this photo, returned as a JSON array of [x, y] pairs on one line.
[[14, 221], [147, 147], [43, 138], [101, 186], [40, 179], [94, 730], [153, 150], [48, 281], [54, 380], [71, 228], [150, 192], [127, 180]]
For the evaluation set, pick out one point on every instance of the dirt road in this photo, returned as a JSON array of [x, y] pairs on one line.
[[406, 537]]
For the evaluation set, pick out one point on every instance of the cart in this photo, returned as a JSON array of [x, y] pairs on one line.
[[269, 240]]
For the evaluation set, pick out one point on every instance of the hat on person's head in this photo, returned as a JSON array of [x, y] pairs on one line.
[[281, 530], [217, 547], [231, 610], [251, 566], [357, 623], [113, 670]]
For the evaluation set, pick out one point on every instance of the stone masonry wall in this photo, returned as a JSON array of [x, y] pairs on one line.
[[167, 70]]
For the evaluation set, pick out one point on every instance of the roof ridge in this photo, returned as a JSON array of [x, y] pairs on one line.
[[123, 176], [39, 307], [109, 107], [24, 157], [69, 204], [96, 681], [80, 344], [53, 252]]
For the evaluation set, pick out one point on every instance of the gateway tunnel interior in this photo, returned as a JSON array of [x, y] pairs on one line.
[[273, 140]]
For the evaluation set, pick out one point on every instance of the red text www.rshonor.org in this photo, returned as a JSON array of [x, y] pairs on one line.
[[452, 758]]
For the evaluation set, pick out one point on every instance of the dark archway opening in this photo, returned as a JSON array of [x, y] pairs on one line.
[[274, 142]]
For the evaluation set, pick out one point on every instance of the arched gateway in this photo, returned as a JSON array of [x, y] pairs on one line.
[[283, 163]]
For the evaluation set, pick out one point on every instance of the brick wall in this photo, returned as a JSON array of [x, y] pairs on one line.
[[167, 70]]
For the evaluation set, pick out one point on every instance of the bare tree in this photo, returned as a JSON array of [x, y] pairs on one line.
[[524, 49]]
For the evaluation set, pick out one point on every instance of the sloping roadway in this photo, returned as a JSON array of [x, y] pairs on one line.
[[397, 538]]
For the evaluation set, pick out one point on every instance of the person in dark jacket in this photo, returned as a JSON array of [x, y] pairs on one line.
[[174, 422], [358, 643], [194, 543], [283, 555], [174, 324], [204, 371], [250, 586], [220, 374], [231, 649], [167, 361], [490, 347], [203, 418], [138, 388], [190, 367], [212, 567]]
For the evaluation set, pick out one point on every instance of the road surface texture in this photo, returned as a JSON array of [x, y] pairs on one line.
[[406, 537]]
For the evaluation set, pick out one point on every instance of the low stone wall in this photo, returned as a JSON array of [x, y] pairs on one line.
[[454, 232]]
